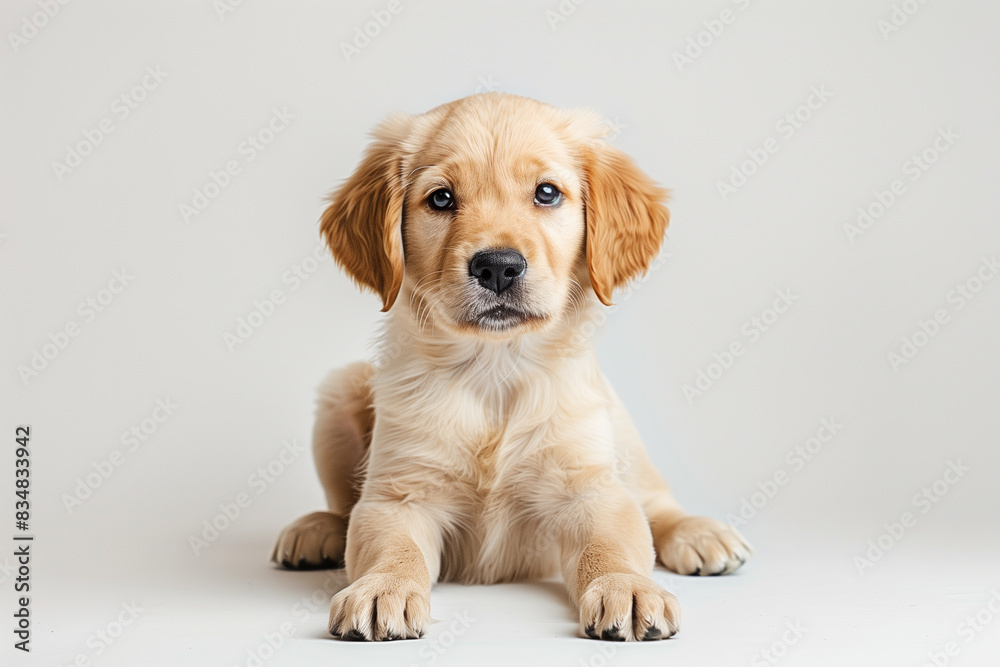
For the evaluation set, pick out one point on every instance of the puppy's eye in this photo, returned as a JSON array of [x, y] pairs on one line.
[[441, 200], [547, 194]]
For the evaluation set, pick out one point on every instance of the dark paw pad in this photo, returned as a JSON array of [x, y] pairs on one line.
[[591, 632], [652, 633], [612, 635]]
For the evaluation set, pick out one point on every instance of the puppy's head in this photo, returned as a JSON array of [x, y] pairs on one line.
[[490, 211]]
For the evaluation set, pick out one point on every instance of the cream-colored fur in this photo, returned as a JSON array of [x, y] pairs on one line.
[[480, 453]]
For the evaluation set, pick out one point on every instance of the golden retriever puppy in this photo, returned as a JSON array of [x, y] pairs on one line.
[[485, 445]]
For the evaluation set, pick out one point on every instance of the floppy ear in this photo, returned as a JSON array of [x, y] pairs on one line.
[[626, 218], [363, 224]]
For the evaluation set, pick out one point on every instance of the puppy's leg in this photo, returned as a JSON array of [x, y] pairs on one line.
[[341, 435], [685, 544], [393, 555], [606, 565]]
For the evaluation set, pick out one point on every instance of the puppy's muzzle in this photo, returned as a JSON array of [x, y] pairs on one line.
[[498, 270]]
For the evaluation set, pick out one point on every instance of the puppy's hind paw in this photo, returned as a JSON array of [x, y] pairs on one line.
[[698, 545], [314, 541]]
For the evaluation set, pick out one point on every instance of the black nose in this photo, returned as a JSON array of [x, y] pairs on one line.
[[496, 270]]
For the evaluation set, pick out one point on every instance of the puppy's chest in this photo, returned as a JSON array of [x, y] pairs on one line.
[[497, 465], [496, 530], [494, 453], [502, 445], [496, 440], [503, 455]]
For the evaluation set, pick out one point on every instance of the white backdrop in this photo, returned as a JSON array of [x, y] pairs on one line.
[[834, 170]]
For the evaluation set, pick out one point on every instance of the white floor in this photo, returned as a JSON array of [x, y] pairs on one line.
[[791, 605]]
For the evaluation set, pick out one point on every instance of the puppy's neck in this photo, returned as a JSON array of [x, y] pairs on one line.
[[414, 339]]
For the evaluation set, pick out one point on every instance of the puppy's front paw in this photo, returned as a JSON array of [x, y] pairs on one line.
[[628, 607], [379, 607], [699, 545], [313, 541]]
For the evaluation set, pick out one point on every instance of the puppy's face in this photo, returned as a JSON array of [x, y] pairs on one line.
[[486, 211], [493, 226]]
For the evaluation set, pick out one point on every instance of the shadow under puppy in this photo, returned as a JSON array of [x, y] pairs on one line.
[[487, 446]]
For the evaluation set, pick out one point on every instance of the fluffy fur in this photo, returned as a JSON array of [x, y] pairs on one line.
[[480, 448]]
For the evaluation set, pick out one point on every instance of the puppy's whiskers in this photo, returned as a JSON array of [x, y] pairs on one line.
[[429, 305], [577, 301], [421, 309], [416, 287]]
